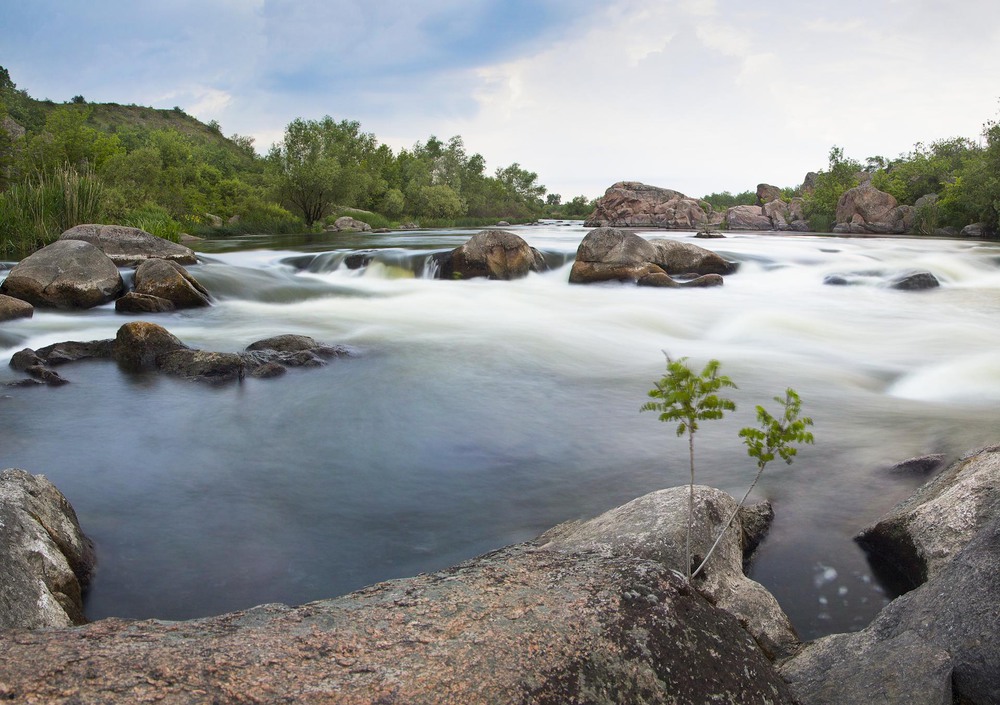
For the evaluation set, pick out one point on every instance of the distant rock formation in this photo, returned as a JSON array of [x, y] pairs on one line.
[[630, 204], [772, 215], [865, 209]]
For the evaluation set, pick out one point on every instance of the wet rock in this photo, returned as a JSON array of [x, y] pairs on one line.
[[128, 247], [299, 343], [914, 281], [525, 623], [74, 351], [11, 308], [633, 204], [348, 224], [921, 465], [202, 365], [68, 274], [495, 254], [655, 527], [23, 359], [45, 560], [46, 376], [837, 280], [133, 302], [168, 280], [685, 258], [610, 254], [946, 538], [357, 260], [138, 345]]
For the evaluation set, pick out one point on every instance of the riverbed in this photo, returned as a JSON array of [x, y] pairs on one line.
[[480, 413]]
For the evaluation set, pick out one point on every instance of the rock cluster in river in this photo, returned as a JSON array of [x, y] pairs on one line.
[[143, 346], [611, 254]]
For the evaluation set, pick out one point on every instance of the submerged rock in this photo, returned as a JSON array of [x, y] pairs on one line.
[[128, 247], [495, 254], [914, 281], [67, 274], [528, 623], [45, 560]]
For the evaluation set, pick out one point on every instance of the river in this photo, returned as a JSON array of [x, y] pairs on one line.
[[480, 413]]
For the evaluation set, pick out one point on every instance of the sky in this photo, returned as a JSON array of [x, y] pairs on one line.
[[700, 96]]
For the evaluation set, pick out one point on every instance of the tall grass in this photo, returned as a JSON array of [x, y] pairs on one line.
[[33, 214]]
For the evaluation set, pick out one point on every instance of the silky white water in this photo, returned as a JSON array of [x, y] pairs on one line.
[[478, 413]]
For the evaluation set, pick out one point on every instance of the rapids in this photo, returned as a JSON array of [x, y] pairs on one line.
[[480, 413]]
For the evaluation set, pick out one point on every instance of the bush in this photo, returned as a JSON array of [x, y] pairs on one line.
[[155, 220]]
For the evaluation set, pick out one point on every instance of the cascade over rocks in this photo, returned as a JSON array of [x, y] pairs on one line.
[[940, 641], [128, 247], [68, 274], [610, 254], [632, 204], [45, 560], [496, 254], [580, 618]]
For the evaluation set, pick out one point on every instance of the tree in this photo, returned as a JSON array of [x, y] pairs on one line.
[[830, 185], [685, 397], [774, 436]]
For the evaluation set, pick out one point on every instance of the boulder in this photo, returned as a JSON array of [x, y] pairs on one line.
[[528, 623], [168, 280], [869, 210], [202, 365], [74, 351], [496, 254], [914, 281], [45, 560], [291, 344], [138, 345], [779, 213], [654, 527], [920, 465], [748, 218], [633, 204], [270, 357], [938, 643], [610, 254], [68, 274], [809, 182], [11, 308], [346, 223], [766, 193], [127, 247], [133, 302], [974, 230], [213, 220], [685, 258]]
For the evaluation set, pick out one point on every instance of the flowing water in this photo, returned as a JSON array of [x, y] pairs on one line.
[[480, 413]]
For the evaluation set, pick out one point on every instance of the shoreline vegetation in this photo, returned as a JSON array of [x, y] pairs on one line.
[[65, 164]]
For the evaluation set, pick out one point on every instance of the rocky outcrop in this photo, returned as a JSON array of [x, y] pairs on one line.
[[630, 204], [128, 247], [45, 560], [610, 254], [68, 274], [542, 622], [168, 281], [346, 223], [495, 254], [938, 643], [11, 308], [865, 209], [143, 346], [766, 193], [748, 218]]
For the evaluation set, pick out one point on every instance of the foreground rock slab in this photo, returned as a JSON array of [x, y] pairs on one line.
[[45, 560], [941, 640], [528, 623]]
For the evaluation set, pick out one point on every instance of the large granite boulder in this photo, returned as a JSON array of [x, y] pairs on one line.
[[865, 209], [45, 560], [676, 257], [766, 193], [140, 344], [633, 204], [496, 254], [938, 643], [528, 623], [748, 218], [169, 281], [11, 308], [127, 247], [610, 254], [68, 274], [655, 527]]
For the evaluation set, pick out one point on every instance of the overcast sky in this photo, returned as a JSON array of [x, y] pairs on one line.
[[694, 95]]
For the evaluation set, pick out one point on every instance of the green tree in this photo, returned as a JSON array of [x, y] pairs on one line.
[[821, 203], [776, 436], [686, 397]]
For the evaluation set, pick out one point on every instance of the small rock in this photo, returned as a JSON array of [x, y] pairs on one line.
[[134, 302], [915, 281], [11, 308]]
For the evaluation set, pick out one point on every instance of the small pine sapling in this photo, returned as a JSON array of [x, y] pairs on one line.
[[774, 437], [686, 397]]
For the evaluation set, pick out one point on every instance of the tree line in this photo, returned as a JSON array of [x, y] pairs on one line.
[[164, 171]]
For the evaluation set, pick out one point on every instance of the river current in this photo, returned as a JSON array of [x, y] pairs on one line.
[[480, 413]]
